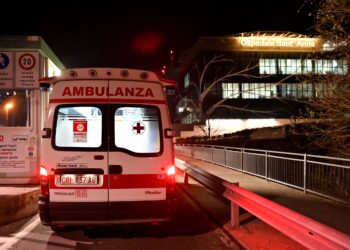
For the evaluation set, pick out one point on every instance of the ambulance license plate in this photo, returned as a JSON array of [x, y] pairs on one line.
[[82, 179]]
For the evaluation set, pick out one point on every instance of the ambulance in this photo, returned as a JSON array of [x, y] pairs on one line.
[[107, 150]]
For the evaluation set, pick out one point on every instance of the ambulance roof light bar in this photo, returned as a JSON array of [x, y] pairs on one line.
[[104, 73], [108, 73]]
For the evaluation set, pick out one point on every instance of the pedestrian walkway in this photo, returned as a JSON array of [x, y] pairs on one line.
[[325, 211]]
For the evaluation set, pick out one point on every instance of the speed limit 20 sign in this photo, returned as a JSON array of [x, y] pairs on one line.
[[27, 69], [27, 61]]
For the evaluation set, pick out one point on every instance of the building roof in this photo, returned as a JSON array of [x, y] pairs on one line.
[[30, 43]]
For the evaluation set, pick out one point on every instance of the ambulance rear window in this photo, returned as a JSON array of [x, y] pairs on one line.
[[137, 129], [78, 126]]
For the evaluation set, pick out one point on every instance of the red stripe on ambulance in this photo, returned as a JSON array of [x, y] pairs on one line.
[[138, 181]]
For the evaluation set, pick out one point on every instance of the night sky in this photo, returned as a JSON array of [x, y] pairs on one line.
[[141, 34]]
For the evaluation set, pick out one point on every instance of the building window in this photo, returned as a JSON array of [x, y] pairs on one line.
[[289, 66], [296, 90], [14, 108], [267, 66], [258, 90], [341, 67], [307, 67], [305, 90], [323, 90], [272, 90], [299, 66], [338, 67], [230, 90]]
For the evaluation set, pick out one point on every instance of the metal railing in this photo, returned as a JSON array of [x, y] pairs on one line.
[[304, 230], [298, 227], [325, 176]]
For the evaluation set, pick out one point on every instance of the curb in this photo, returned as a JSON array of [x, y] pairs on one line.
[[22, 203]]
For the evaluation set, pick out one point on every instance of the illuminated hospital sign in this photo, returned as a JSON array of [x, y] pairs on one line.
[[281, 43]]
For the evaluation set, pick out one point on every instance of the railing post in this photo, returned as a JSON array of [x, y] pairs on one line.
[[266, 157], [225, 153], [242, 153], [234, 213], [186, 178], [202, 152], [305, 166]]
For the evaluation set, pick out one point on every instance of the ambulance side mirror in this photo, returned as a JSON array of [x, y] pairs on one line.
[[46, 133], [45, 87]]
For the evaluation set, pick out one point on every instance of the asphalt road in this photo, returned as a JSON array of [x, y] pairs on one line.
[[197, 225]]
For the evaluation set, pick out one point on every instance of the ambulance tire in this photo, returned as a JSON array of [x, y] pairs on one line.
[[57, 229]]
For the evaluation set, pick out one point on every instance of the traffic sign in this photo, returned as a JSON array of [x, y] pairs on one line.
[[6, 70], [4, 60], [27, 70], [27, 61]]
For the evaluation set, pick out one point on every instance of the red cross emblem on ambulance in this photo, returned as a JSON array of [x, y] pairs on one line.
[[138, 128]]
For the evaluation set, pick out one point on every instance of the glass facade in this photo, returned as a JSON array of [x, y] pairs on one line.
[[293, 90], [302, 66], [273, 90]]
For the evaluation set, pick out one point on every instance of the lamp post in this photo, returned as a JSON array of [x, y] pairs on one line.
[[8, 106]]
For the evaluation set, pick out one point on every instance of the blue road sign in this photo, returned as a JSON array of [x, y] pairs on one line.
[[4, 61]]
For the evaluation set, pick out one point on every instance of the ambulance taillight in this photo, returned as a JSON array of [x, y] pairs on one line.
[[44, 181], [171, 174]]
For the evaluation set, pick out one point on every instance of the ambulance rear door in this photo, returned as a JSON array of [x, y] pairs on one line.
[[79, 190], [137, 167]]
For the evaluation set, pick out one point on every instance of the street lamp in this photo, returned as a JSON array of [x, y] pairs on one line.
[[8, 106]]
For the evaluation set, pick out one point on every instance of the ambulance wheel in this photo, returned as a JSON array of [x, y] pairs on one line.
[[58, 229]]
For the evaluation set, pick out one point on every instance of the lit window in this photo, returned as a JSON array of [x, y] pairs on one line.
[[307, 66], [14, 108], [299, 66], [230, 90], [258, 90], [267, 66]]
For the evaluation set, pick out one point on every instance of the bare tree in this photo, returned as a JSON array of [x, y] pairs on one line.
[[332, 110], [207, 80], [204, 87], [209, 74]]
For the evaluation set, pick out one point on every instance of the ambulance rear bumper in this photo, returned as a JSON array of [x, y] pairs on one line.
[[103, 213]]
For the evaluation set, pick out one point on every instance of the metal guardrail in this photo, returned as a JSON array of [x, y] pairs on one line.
[[300, 228], [325, 176], [306, 231], [209, 180]]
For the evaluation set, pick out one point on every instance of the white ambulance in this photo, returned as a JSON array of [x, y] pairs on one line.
[[107, 150]]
